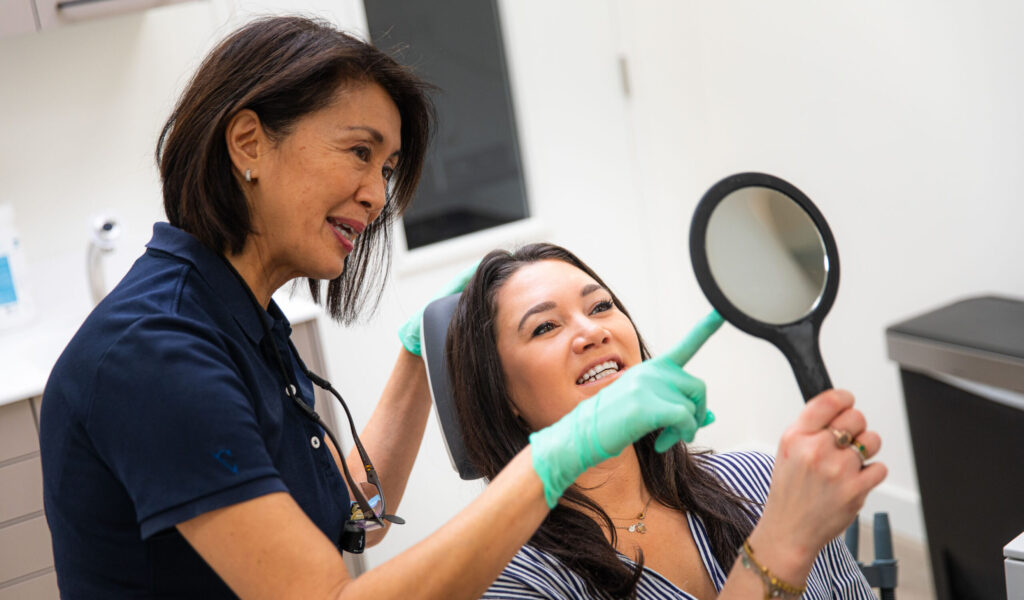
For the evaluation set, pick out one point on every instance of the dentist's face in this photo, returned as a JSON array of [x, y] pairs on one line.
[[322, 184], [560, 339]]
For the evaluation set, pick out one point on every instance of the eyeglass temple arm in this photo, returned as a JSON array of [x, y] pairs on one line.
[[371, 472], [360, 499]]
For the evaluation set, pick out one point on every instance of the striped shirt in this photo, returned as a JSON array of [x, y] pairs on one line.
[[534, 574]]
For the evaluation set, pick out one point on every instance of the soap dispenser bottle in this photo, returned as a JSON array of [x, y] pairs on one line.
[[15, 307]]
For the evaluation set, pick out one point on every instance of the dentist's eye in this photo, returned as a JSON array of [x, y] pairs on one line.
[[543, 328], [387, 172], [604, 305], [362, 153]]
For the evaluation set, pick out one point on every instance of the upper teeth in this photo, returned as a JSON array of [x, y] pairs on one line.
[[598, 372], [345, 230]]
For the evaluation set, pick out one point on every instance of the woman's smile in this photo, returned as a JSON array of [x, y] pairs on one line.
[[346, 231], [605, 369], [561, 339]]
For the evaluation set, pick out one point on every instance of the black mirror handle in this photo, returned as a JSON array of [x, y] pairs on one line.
[[799, 342]]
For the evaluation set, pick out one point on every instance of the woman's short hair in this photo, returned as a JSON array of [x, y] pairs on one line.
[[284, 68]]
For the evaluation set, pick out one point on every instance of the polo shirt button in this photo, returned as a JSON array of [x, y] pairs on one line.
[[315, 442]]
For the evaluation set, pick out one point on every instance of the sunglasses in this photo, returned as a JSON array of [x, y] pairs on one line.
[[365, 515]]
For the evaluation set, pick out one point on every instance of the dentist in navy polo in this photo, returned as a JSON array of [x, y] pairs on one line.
[[174, 466], [182, 457]]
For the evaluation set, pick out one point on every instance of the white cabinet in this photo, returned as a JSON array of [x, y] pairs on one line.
[[26, 560], [53, 13], [17, 16], [24, 16]]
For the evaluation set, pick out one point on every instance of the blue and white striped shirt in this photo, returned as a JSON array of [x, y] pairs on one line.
[[533, 574]]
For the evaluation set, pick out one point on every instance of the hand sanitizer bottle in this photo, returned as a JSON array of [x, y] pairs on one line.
[[15, 307]]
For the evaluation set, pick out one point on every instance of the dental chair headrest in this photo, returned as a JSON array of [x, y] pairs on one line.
[[434, 331]]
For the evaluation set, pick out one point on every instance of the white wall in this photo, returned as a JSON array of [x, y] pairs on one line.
[[82, 106], [901, 121], [897, 120]]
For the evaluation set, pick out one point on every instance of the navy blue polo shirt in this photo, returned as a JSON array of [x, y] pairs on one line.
[[164, 406]]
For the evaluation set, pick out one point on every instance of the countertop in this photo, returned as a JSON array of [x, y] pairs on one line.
[[28, 352]]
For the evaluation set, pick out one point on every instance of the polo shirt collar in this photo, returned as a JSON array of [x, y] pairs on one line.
[[213, 269]]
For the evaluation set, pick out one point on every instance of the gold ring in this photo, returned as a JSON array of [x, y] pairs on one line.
[[861, 450], [843, 437]]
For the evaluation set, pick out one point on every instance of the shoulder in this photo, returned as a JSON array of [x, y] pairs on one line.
[[748, 462], [126, 346], [154, 343], [533, 573], [151, 290], [169, 355], [747, 473], [161, 313]]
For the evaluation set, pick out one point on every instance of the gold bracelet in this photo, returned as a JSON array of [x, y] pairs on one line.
[[773, 586]]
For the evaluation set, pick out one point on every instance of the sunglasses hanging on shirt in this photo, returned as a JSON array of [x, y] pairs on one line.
[[365, 515]]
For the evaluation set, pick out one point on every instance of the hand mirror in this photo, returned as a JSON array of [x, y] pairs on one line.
[[767, 261]]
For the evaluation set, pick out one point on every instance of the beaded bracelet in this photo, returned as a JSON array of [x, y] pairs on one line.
[[773, 586]]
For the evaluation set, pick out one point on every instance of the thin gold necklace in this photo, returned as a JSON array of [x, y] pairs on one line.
[[639, 526]]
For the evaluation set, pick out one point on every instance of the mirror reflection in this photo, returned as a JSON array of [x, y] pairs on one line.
[[766, 255]]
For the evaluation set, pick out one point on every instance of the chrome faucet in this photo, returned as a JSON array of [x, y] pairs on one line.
[[105, 231]]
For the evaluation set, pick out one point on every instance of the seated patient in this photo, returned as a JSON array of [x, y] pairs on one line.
[[535, 333]]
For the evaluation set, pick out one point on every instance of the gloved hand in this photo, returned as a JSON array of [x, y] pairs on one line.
[[409, 332], [653, 395]]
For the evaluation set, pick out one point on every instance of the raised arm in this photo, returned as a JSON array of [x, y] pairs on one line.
[[816, 491], [268, 548], [392, 435]]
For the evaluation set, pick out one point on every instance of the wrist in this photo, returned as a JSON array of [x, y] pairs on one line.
[[549, 460], [773, 585], [409, 357], [409, 334], [788, 559]]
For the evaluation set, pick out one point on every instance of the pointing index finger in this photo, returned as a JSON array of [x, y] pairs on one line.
[[685, 350]]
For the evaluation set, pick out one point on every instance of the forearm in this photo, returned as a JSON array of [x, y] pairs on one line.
[[267, 547], [469, 552]]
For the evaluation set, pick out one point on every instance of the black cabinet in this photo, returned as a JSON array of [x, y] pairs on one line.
[[962, 369]]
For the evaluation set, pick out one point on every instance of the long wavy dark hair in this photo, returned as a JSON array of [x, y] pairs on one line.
[[493, 435]]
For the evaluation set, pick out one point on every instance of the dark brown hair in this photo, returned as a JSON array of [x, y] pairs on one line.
[[493, 435], [284, 68]]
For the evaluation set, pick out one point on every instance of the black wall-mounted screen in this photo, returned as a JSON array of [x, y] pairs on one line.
[[473, 176]]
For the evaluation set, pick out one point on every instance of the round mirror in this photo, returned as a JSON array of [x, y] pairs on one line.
[[765, 258], [766, 255]]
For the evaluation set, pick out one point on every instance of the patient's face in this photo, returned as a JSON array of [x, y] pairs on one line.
[[560, 339]]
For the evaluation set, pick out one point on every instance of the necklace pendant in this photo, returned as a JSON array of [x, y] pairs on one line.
[[632, 529], [639, 527]]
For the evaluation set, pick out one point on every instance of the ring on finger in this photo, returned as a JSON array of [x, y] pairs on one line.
[[860, 455], [843, 437], [861, 449]]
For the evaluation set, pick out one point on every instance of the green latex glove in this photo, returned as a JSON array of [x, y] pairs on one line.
[[656, 394], [409, 332]]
